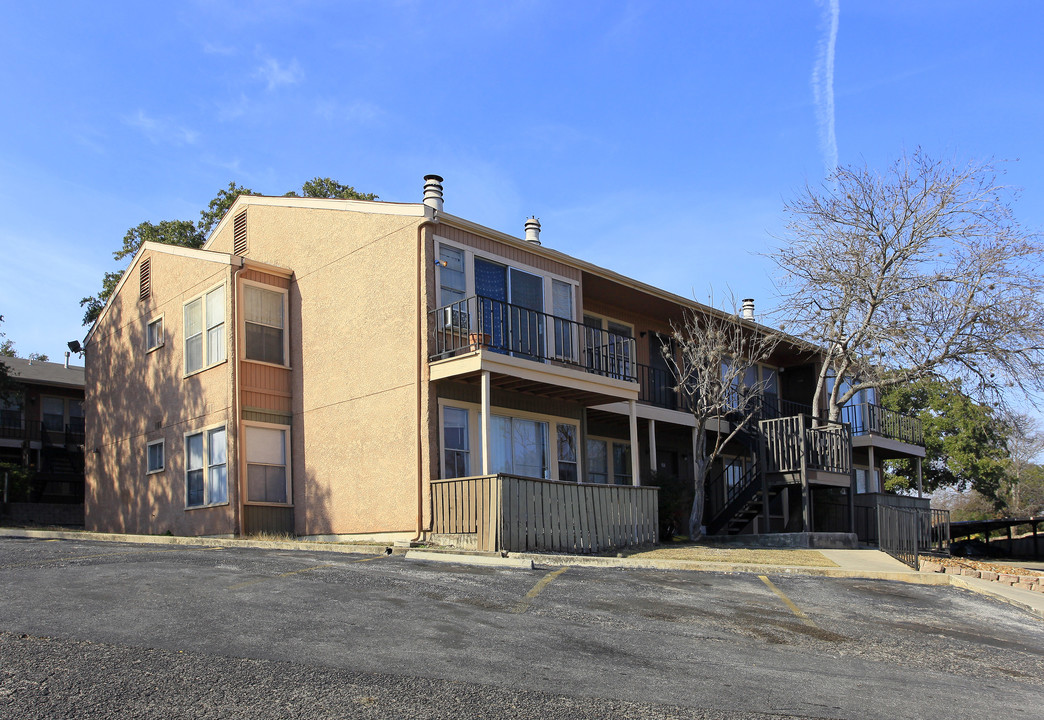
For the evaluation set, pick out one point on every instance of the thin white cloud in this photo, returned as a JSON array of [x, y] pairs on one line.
[[275, 74], [215, 49], [823, 84], [359, 112], [161, 130]]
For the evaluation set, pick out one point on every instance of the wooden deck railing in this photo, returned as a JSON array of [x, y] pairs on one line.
[[517, 514], [870, 419], [788, 440]]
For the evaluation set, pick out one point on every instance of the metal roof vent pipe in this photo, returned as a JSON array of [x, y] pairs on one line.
[[533, 230], [433, 192], [747, 310]]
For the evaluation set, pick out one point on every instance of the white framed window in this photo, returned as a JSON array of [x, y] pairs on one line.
[[597, 461], [154, 334], [523, 443], [206, 467], [608, 461], [567, 453], [155, 457], [456, 442], [205, 330], [268, 464], [622, 463], [264, 315], [519, 446]]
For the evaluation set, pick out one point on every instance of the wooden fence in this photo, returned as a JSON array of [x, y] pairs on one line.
[[524, 514]]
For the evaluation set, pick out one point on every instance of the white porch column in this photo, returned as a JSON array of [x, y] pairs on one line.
[[632, 410], [920, 491], [653, 466], [484, 424]]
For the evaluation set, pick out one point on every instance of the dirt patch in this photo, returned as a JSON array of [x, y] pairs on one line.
[[753, 556]]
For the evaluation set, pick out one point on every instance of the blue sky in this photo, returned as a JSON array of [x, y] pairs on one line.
[[658, 139]]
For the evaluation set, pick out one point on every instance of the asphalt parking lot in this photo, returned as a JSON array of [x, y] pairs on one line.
[[92, 629]]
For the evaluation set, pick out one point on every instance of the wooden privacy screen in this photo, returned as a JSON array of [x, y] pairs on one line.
[[508, 513]]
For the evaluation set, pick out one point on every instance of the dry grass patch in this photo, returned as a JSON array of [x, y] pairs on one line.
[[754, 556]]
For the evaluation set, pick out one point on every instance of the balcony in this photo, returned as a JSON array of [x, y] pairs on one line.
[[797, 445], [480, 323], [12, 428], [869, 419]]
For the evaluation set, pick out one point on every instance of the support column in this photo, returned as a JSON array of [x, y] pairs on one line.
[[653, 466], [806, 493], [632, 410], [920, 490], [873, 470], [486, 461]]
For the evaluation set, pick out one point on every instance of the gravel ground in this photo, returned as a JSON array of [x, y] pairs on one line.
[[52, 678], [120, 630]]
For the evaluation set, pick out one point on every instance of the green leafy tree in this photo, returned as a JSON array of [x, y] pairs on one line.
[[965, 442], [5, 372], [193, 235], [326, 188], [217, 207]]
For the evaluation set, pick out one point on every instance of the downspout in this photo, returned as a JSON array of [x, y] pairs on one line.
[[421, 360], [240, 509]]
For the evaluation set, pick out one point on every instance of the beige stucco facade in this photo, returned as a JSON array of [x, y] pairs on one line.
[[351, 415]]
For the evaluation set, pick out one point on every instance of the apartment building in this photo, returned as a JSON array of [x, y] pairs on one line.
[[356, 369], [42, 428]]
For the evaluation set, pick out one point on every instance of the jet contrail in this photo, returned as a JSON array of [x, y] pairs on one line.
[[823, 86]]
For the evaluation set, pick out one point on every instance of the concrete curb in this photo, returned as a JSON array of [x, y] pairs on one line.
[[984, 588], [912, 577], [200, 541], [486, 560]]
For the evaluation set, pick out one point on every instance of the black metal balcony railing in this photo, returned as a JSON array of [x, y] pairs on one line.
[[43, 432], [870, 419], [480, 322]]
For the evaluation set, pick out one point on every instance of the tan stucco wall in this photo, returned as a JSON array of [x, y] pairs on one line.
[[134, 397], [353, 324]]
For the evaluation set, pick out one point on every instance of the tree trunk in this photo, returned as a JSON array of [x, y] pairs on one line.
[[696, 516]]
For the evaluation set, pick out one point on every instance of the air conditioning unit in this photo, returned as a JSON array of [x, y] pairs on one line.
[[454, 319]]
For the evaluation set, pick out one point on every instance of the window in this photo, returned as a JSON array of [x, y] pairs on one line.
[[597, 462], [567, 453], [154, 334], [264, 315], [268, 480], [622, 463], [452, 281], [206, 471], [519, 447], [562, 308], [610, 346], [455, 442], [11, 412], [76, 423], [205, 313], [53, 411], [154, 459]]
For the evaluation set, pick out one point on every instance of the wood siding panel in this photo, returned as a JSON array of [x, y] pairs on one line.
[[507, 252], [265, 278]]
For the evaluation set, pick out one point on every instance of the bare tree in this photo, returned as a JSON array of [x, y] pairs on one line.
[[1025, 443], [919, 272], [711, 359]]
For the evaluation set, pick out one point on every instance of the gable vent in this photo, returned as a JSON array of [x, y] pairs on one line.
[[145, 279], [239, 234]]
